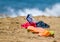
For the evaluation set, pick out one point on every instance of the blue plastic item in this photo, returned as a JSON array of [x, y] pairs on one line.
[[29, 18]]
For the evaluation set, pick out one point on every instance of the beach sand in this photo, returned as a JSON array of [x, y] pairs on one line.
[[11, 30]]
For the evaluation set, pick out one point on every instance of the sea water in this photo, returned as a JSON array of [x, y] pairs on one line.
[[14, 8]]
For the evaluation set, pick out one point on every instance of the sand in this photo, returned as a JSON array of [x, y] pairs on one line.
[[11, 31]]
